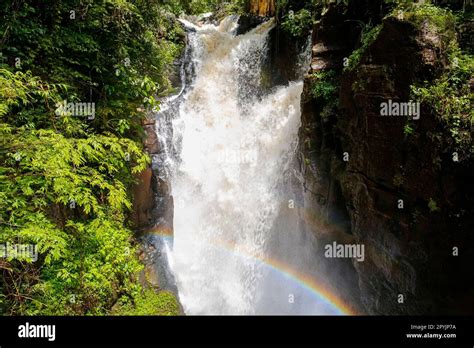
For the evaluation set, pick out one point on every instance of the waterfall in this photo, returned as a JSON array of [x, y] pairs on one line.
[[229, 144]]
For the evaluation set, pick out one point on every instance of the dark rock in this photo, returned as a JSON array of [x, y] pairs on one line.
[[247, 23], [409, 250], [152, 145], [143, 199]]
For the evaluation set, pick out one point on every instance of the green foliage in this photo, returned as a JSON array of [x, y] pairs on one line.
[[281, 5], [419, 13], [450, 99], [433, 206], [83, 248], [298, 24], [368, 36], [114, 53], [239, 7], [326, 3], [64, 179], [98, 267], [324, 85], [202, 6], [408, 129], [440, 21], [194, 7], [149, 303]]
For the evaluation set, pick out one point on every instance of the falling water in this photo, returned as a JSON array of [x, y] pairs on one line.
[[229, 147]]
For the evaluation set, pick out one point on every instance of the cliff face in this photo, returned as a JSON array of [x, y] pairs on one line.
[[371, 184], [145, 190], [152, 214]]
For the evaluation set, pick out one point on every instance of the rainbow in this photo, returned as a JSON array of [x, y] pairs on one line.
[[310, 284]]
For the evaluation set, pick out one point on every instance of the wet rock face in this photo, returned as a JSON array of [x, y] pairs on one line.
[[149, 185], [247, 23], [143, 198], [281, 64], [153, 217], [409, 246], [408, 250], [152, 145], [325, 208]]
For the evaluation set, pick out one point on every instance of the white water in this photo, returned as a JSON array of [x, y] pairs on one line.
[[233, 150]]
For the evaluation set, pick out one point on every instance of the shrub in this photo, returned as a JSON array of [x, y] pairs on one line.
[[298, 24], [323, 85], [368, 36], [149, 303]]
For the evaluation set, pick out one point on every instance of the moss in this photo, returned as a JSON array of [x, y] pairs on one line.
[[323, 85], [149, 303], [440, 21], [298, 24], [435, 19], [419, 13], [433, 206], [398, 180], [369, 34]]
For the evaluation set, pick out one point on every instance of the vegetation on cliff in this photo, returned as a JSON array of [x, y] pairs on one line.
[[449, 96], [407, 52]]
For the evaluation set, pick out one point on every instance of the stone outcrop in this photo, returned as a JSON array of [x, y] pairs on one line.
[[144, 191], [152, 217], [143, 199], [408, 250]]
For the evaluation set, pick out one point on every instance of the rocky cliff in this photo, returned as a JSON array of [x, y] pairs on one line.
[[370, 181]]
